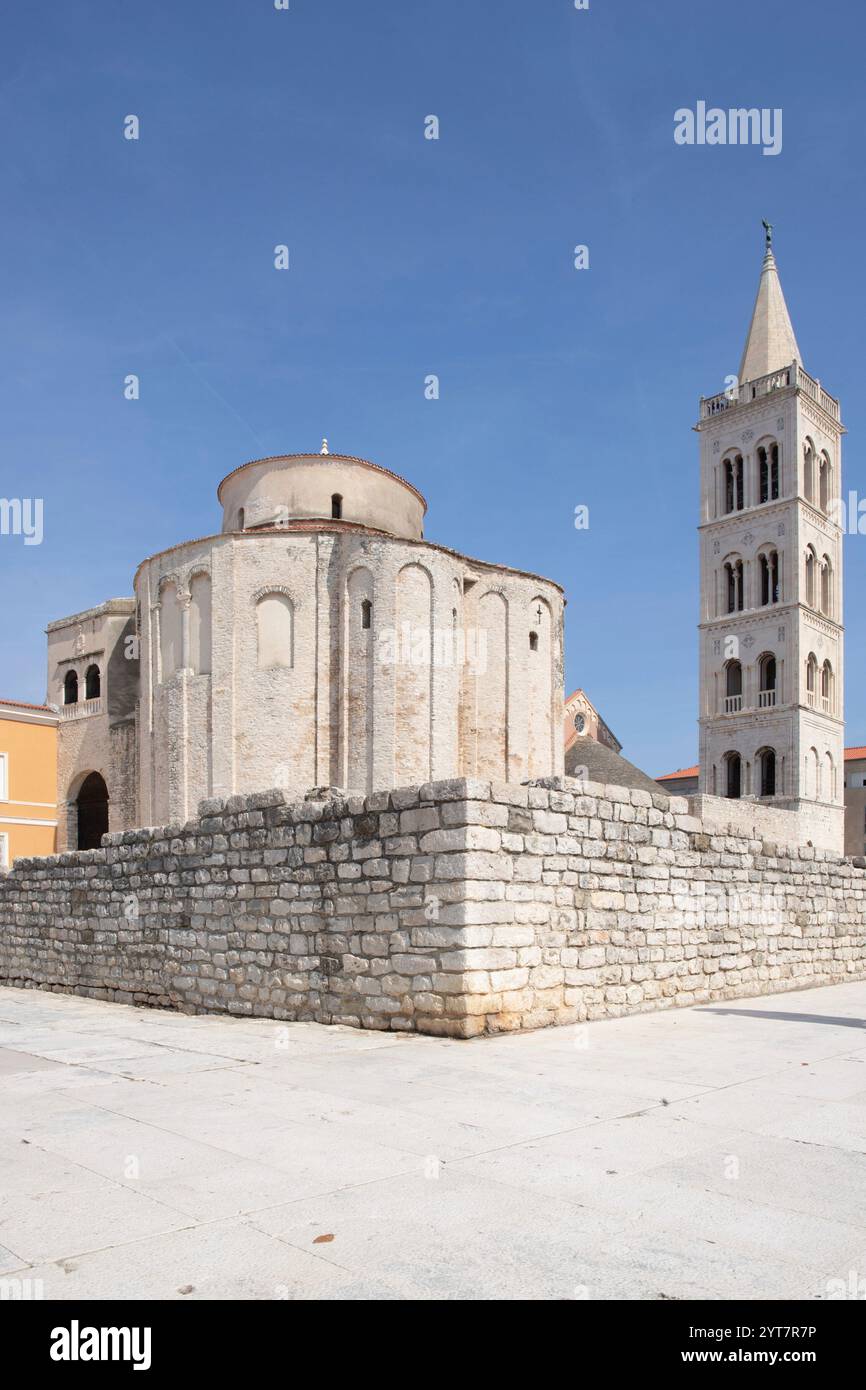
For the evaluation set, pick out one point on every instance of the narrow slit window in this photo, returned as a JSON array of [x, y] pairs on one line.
[[366, 613], [337, 513], [763, 475]]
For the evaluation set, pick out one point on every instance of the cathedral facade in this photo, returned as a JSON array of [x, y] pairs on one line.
[[318, 640]]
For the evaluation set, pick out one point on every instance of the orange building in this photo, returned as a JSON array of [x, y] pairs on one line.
[[28, 780]]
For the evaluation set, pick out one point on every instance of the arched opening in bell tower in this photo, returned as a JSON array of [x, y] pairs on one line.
[[733, 776], [767, 771]]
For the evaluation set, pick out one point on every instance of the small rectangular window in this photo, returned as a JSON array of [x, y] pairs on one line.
[[4, 776], [4, 851]]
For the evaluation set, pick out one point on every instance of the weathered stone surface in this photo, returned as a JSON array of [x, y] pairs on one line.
[[419, 910]]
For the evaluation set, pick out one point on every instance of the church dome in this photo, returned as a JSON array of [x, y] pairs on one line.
[[320, 487]]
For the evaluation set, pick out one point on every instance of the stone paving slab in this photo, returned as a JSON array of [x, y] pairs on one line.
[[715, 1152]]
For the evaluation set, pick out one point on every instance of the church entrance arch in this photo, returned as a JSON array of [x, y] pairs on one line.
[[92, 807]]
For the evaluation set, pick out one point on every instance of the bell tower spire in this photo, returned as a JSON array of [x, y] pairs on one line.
[[770, 341]]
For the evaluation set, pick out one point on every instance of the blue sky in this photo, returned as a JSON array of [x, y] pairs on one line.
[[409, 257]]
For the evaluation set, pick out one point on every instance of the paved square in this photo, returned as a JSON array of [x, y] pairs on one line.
[[713, 1152]]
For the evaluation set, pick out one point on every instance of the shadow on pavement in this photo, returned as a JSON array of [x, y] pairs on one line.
[[790, 1018]]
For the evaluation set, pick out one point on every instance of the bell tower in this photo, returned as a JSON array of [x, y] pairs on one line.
[[771, 648]]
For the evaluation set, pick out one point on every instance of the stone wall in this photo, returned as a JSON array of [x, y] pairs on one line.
[[456, 907], [792, 822], [855, 819]]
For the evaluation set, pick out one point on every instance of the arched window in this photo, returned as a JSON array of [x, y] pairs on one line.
[[809, 471], [734, 483], [767, 771], [200, 624], [763, 476], [733, 775], [769, 566], [275, 621], [336, 507], [768, 472], [733, 687], [767, 677], [827, 688], [367, 613], [533, 641], [826, 586], [734, 585], [91, 683], [811, 678], [810, 577], [813, 774], [170, 629], [70, 688], [824, 483], [774, 472], [829, 777], [728, 470], [240, 518]]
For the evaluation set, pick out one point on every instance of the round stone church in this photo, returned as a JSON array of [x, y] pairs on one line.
[[317, 641]]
